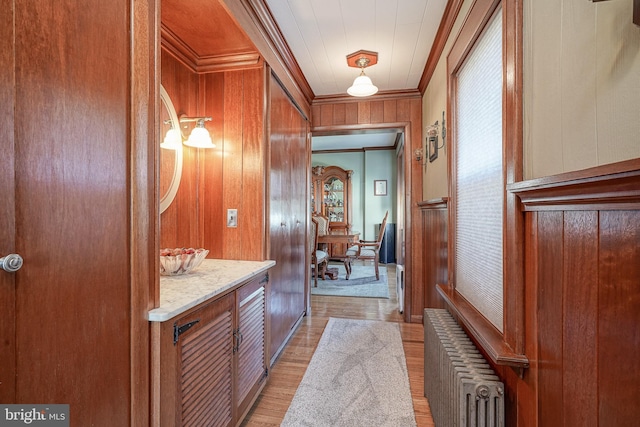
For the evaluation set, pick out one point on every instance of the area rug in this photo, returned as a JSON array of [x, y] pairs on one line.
[[362, 283], [357, 377]]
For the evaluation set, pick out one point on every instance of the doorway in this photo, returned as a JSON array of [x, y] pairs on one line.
[[376, 157]]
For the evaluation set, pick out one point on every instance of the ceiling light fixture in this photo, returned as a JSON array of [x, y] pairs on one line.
[[362, 85]]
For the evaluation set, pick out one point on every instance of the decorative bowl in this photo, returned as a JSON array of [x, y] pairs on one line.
[[174, 262]]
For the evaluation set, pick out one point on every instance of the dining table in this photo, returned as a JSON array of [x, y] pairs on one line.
[[341, 237]]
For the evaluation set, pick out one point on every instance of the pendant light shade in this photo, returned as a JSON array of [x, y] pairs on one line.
[[199, 136], [362, 85], [172, 140]]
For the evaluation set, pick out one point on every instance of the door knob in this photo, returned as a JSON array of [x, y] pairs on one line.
[[11, 262]]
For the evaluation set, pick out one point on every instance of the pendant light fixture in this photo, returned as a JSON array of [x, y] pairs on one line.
[[362, 85]]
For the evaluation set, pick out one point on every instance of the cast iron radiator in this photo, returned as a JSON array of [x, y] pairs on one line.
[[462, 389]]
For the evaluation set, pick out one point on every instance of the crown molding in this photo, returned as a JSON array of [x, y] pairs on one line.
[[444, 30], [272, 34], [177, 48], [380, 96]]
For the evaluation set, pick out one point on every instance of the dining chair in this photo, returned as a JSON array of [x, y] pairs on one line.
[[368, 249], [319, 259], [323, 229], [323, 224]]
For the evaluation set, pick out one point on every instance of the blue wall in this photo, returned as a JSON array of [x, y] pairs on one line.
[[368, 166]]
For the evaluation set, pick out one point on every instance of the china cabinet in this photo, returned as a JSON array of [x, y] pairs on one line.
[[331, 196]]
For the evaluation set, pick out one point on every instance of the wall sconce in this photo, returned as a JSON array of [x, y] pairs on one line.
[[432, 142], [199, 137]]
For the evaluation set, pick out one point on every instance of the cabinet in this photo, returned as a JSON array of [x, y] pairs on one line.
[[213, 359], [287, 217], [331, 196]]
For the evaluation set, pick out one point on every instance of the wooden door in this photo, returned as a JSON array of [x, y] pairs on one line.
[[65, 328], [197, 367], [288, 209], [7, 205], [251, 361]]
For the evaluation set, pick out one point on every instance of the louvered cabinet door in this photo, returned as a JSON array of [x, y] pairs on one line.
[[199, 367], [250, 343]]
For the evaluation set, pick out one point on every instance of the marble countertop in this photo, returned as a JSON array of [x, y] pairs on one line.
[[213, 277]]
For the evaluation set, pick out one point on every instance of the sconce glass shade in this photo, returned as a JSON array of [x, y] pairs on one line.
[[172, 140], [362, 86], [199, 137]]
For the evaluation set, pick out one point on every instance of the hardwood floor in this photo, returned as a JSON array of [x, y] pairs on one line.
[[287, 372]]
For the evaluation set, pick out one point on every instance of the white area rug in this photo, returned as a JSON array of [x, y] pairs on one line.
[[361, 283], [357, 377]]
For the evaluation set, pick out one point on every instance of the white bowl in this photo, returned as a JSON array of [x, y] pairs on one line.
[[182, 261]]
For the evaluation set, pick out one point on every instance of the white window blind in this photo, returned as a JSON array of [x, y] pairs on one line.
[[479, 176]]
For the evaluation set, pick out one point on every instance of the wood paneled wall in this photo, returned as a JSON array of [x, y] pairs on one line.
[[248, 173], [232, 175], [339, 114], [435, 217], [582, 297], [582, 293]]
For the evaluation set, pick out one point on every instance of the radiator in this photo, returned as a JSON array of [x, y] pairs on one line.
[[400, 287], [461, 387]]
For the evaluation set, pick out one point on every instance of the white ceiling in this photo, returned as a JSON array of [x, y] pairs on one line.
[[321, 33]]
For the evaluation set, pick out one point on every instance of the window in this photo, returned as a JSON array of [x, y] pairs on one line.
[[478, 169], [486, 223]]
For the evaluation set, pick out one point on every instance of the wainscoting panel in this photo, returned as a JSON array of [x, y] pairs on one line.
[[580, 307], [582, 298], [588, 311], [550, 267], [434, 246], [619, 318]]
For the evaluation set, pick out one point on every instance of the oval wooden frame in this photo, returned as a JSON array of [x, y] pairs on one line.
[[167, 199]]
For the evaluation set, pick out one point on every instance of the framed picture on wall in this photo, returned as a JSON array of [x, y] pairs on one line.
[[380, 187], [432, 144]]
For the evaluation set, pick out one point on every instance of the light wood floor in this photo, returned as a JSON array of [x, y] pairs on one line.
[[287, 372]]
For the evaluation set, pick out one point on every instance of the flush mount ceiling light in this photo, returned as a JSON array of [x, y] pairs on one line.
[[362, 85]]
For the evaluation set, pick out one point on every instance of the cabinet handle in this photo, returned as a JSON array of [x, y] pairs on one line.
[[238, 338]]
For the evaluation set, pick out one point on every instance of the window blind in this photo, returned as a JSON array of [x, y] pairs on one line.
[[479, 176]]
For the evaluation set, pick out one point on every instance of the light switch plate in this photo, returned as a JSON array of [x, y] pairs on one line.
[[232, 217]]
